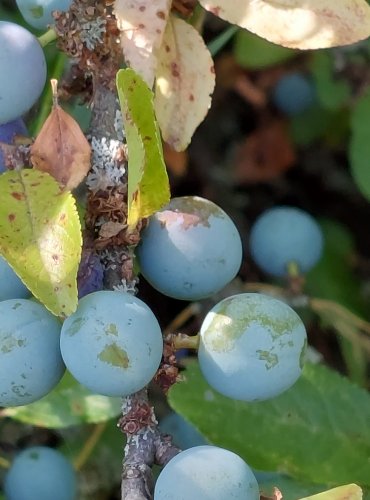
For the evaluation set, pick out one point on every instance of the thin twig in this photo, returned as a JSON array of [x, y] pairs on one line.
[[48, 37], [317, 305], [183, 341], [89, 445], [179, 321]]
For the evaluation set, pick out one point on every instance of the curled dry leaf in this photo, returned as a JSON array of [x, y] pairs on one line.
[[142, 26], [110, 229], [265, 154], [308, 24], [185, 80], [61, 149]]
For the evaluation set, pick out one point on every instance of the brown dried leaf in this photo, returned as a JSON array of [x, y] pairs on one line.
[[265, 154], [110, 229], [61, 149], [309, 24], [185, 80], [142, 26]]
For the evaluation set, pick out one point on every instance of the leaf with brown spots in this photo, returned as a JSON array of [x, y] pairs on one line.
[[142, 26], [185, 80], [61, 149], [309, 24], [40, 237], [148, 185]]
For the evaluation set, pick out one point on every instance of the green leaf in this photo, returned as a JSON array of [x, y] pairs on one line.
[[148, 185], [40, 237], [317, 431], [254, 52], [332, 92], [309, 126], [318, 123], [68, 404], [359, 147]]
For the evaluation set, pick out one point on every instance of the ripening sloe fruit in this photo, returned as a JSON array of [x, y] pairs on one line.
[[284, 235], [112, 344], [30, 360], [293, 93], [40, 473], [251, 347], [22, 71], [11, 287], [206, 473], [190, 250]]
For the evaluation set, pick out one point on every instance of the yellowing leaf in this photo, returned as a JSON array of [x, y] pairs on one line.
[[142, 26], [148, 186], [61, 149], [40, 237], [185, 80], [346, 492], [301, 24]]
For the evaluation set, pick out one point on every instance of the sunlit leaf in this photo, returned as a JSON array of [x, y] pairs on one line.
[[309, 24], [346, 492], [142, 27], [185, 79], [40, 237], [148, 185]]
